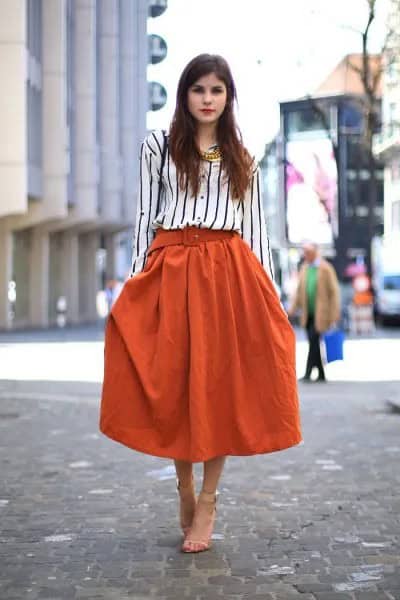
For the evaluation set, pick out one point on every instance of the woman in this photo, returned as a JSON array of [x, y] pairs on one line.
[[199, 354]]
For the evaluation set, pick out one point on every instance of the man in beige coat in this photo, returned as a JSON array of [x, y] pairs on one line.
[[318, 298]]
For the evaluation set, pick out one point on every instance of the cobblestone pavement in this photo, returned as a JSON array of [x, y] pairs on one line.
[[83, 517]]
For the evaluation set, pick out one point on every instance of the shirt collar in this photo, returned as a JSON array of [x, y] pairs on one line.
[[315, 262]]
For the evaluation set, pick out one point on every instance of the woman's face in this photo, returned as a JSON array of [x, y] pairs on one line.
[[206, 99]]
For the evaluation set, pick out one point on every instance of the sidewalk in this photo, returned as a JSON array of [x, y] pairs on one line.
[[83, 517], [79, 333], [77, 355]]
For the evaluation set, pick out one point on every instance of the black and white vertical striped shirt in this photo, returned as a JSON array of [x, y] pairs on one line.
[[212, 208]]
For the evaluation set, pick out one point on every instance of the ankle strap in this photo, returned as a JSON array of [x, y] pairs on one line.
[[210, 497]]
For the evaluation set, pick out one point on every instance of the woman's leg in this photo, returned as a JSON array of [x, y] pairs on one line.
[[184, 472], [212, 470], [185, 485], [200, 533]]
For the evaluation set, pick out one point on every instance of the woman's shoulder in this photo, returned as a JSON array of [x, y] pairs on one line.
[[327, 267], [154, 142]]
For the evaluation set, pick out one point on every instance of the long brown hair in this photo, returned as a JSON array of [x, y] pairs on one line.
[[236, 160]]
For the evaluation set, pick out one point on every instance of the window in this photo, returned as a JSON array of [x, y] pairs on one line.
[[70, 98], [391, 282], [306, 120], [34, 96], [350, 117], [34, 29]]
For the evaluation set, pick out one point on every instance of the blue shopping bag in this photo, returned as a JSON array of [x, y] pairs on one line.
[[334, 339]]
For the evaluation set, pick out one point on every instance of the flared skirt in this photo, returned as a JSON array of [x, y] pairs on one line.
[[200, 355]]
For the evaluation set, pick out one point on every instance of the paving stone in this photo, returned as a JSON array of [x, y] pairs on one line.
[[256, 596], [364, 595], [333, 596], [224, 580], [314, 587]]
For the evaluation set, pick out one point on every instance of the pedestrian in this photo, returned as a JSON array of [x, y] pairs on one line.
[[318, 298], [199, 353]]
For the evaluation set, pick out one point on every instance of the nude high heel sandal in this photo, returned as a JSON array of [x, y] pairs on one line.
[[187, 495], [203, 542]]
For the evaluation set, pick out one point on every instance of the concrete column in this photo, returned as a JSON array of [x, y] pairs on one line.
[[88, 276], [111, 244], [133, 90], [55, 136], [70, 270], [21, 274], [39, 279], [129, 100], [6, 251], [141, 61], [85, 139], [13, 124], [108, 104]]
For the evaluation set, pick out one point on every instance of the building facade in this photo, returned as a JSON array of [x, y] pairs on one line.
[[387, 144], [71, 121]]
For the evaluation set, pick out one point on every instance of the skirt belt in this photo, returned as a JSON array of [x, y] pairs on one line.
[[189, 236]]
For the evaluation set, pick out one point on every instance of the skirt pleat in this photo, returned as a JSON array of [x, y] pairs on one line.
[[200, 357]]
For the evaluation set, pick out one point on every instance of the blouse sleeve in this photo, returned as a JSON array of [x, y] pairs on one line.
[[254, 230], [150, 163]]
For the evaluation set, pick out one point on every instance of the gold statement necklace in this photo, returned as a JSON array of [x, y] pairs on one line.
[[212, 155]]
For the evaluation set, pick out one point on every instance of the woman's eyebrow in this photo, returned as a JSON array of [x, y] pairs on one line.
[[202, 87]]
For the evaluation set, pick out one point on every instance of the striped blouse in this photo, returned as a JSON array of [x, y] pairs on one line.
[[212, 208]]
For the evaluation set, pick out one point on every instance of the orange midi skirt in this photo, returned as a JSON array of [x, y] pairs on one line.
[[199, 353]]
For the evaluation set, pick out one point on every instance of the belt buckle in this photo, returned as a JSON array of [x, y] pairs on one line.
[[190, 237]]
